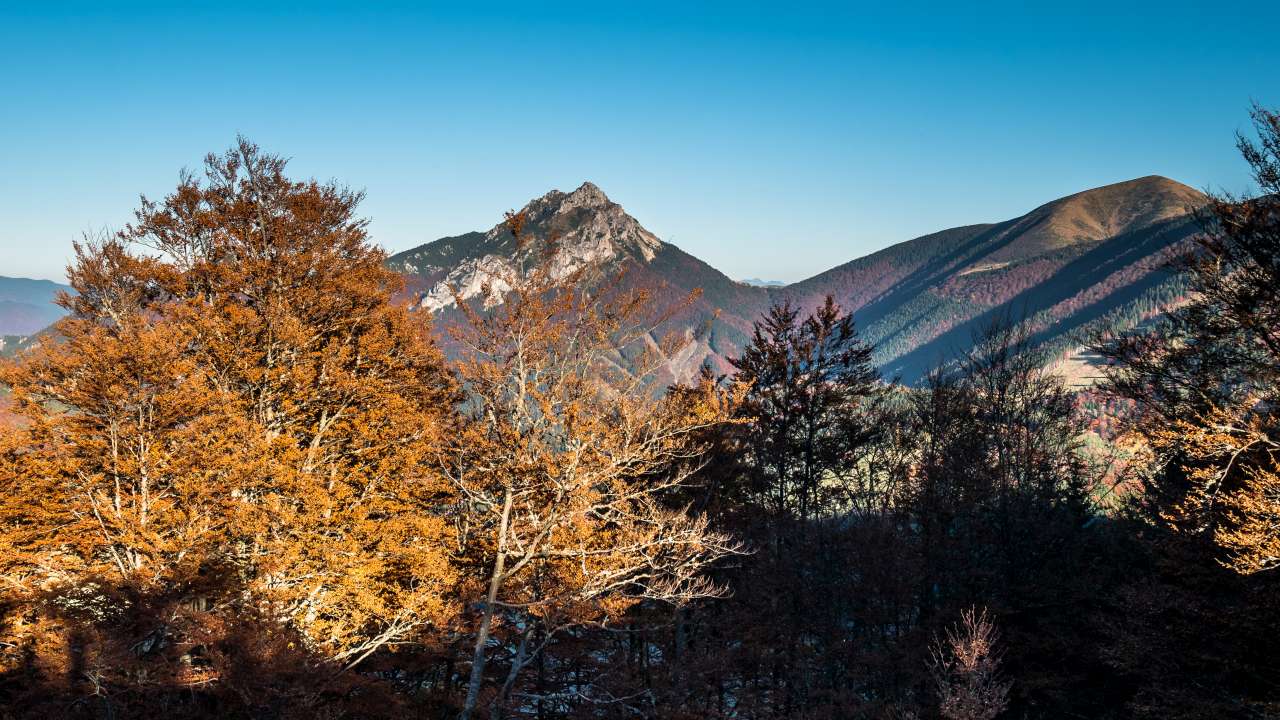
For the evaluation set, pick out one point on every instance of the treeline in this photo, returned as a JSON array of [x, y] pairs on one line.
[[247, 484]]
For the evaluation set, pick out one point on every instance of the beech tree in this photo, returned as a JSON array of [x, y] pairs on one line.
[[238, 427], [1206, 382], [567, 465]]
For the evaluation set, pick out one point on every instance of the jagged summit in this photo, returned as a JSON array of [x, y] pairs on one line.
[[586, 223], [588, 195], [588, 227], [594, 232]]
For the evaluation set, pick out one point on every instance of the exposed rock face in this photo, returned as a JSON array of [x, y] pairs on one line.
[[11, 345], [469, 280], [587, 228], [590, 230]]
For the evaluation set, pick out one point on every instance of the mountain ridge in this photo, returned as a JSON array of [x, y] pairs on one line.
[[27, 305], [1089, 261], [1070, 264]]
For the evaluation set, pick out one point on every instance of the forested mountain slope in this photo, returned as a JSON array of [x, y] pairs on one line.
[[1085, 261]]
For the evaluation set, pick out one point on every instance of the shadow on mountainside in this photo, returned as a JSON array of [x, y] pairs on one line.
[[938, 270], [1091, 268]]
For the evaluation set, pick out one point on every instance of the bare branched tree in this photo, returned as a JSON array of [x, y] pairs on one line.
[[966, 670], [569, 463]]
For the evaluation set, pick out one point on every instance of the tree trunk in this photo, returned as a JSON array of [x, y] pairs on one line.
[[517, 664], [486, 621]]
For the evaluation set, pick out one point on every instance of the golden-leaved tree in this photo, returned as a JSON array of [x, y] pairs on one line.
[[1208, 379], [1196, 639], [569, 466], [233, 455]]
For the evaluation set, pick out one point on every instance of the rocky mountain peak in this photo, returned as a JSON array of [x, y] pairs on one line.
[[587, 197], [589, 230]]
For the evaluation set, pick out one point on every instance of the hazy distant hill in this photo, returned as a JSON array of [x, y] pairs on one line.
[[1089, 260], [763, 283], [26, 306]]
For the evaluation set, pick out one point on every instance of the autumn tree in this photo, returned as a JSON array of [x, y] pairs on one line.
[[1206, 381], [236, 437], [567, 465], [966, 670]]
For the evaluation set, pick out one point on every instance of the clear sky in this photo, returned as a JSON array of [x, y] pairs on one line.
[[772, 140]]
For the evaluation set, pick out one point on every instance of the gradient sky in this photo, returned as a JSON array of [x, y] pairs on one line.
[[770, 142]]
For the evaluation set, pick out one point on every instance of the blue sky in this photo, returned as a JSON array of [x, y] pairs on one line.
[[771, 141]]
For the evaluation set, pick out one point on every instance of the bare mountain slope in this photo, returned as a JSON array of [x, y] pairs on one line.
[[1085, 261]]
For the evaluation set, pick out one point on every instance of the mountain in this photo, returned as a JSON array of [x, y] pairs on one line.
[[762, 283], [1093, 260], [592, 230], [26, 306]]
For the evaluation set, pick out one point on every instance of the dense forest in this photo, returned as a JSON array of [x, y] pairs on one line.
[[245, 482]]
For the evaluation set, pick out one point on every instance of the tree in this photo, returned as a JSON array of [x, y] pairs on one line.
[[1000, 477], [566, 466], [812, 389], [239, 430], [1206, 381], [966, 670], [996, 508], [790, 478]]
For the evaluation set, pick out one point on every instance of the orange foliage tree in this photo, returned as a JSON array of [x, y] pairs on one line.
[[1208, 379], [1195, 641], [966, 670], [237, 437], [569, 465]]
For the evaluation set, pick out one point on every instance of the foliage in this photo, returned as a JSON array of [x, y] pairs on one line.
[[966, 670], [1206, 381], [566, 464], [235, 440], [245, 482]]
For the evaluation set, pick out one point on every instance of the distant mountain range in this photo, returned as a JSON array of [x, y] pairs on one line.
[[1089, 261], [762, 283], [26, 306]]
